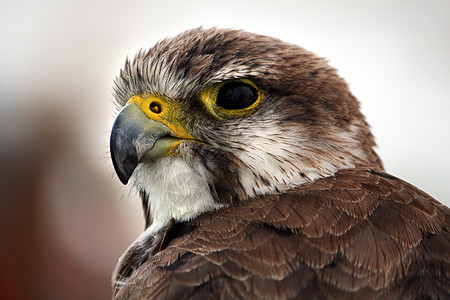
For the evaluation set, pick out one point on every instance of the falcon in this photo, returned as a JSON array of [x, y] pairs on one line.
[[259, 180]]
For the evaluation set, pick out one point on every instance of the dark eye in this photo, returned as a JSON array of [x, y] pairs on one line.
[[236, 95]]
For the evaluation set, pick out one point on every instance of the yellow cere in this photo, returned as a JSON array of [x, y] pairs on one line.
[[209, 98], [163, 110]]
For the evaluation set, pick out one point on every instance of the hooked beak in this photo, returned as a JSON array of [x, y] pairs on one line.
[[135, 137]]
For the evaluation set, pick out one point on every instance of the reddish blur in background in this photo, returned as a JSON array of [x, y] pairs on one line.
[[64, 216]]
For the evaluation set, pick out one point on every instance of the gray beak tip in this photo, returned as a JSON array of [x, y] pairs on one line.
[[132, 135], [124, 167]]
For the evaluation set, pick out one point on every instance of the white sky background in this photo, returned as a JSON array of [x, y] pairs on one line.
[[394, 54]]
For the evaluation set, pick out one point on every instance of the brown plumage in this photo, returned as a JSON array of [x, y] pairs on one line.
[[361, 234], [294, 201]]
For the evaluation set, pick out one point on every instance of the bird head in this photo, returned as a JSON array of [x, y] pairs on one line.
[[211, 117]]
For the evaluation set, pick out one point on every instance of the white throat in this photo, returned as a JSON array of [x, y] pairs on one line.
[[176, 189]]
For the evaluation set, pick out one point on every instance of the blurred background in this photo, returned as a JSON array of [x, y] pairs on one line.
[[65, 218]]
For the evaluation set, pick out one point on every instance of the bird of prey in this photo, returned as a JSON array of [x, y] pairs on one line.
[[259, 180]]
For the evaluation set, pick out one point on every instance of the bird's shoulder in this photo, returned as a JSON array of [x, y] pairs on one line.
[[360, 233]]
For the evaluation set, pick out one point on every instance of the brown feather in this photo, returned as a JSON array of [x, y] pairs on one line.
[[316, 233], [388, 248]]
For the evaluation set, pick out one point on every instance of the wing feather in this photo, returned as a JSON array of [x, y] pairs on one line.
[[361, 234]]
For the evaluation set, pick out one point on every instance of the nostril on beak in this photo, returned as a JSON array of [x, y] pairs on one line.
[[155, 107]]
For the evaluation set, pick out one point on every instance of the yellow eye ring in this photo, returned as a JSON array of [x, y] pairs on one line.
[[231, 99]]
